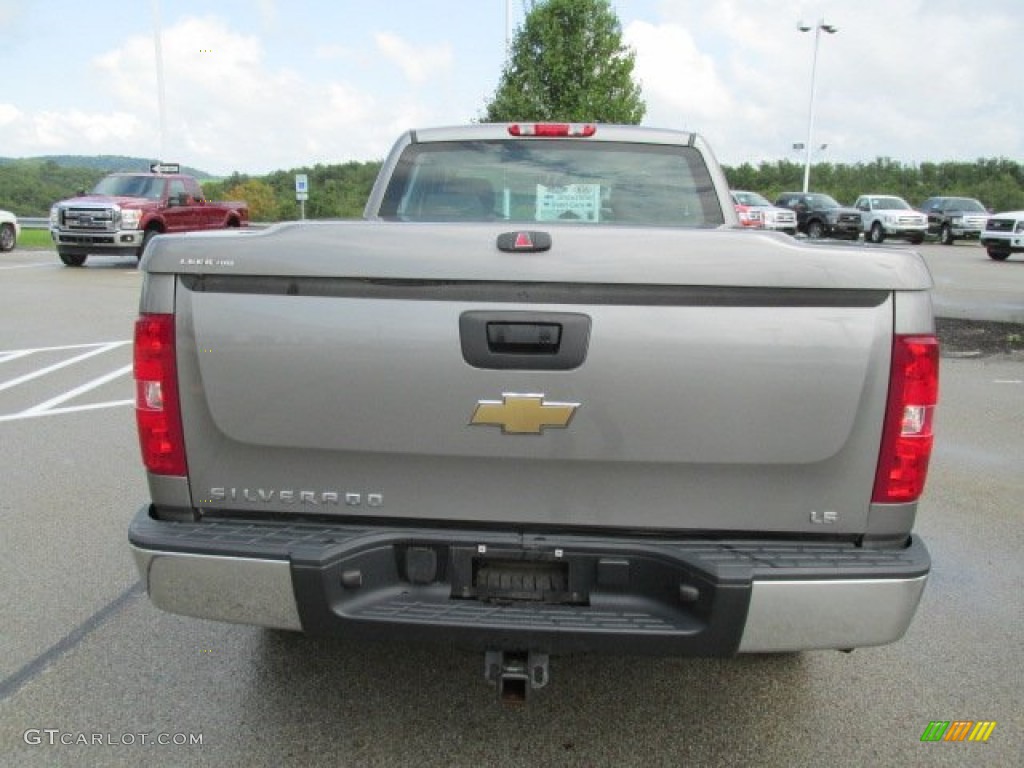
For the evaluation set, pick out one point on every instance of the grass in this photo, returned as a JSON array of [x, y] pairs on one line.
[[35, 239]]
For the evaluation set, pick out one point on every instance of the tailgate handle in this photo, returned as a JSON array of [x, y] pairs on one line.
[[524, 338], [510, 340]]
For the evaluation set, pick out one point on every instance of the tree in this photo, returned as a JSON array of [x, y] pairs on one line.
[[258, 195], [568, 63]]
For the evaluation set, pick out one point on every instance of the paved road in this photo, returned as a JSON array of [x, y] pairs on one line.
[[968, 284], [85, 657]]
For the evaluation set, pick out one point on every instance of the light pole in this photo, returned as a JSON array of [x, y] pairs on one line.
[[161, 96], [818, 28]]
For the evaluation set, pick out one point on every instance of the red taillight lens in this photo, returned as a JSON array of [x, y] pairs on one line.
[[156, 396], [552, 129], [907, 435]]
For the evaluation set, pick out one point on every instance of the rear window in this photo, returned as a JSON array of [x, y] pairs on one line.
[[558, 180]]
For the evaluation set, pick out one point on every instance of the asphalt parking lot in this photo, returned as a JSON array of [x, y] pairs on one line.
[[92, 674]]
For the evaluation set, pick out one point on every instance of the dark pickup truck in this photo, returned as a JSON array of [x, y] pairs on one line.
[[819, 215], [955, 218]]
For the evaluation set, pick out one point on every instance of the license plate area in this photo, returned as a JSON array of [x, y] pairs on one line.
[[512, 576], [510, 580]]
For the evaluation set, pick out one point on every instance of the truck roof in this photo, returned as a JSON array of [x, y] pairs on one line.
[[599, 132]]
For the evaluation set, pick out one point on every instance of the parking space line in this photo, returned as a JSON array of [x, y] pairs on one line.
[[5, 356], [32, 413], [55, 405], [88, 386], [30, 671], [98, 350], [87, 345]]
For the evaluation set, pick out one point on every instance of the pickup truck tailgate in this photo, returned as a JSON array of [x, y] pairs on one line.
[[663, 392]]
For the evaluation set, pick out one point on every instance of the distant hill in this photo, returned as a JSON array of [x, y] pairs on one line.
[[101, 163]]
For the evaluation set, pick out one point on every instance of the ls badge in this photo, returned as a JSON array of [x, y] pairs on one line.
[[523, 414]]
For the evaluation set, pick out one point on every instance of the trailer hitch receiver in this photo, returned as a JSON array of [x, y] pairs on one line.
[[516, 673]]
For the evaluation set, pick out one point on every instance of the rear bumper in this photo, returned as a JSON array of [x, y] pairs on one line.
[[623, 594]]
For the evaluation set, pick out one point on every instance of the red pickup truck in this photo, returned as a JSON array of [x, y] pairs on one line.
[[126, 210]]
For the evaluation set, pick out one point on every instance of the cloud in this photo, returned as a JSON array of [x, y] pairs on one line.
[[675, 75], [926, 84], [55, 132], [419, 64], [9, 114], [692, 89], [227, 108], [271, 92]]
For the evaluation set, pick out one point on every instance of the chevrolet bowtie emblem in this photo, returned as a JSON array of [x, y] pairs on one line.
[[523, 414]]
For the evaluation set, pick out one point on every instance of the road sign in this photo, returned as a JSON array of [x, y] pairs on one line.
[[301, 187]]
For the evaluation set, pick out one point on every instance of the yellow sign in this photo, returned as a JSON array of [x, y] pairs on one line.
[[523, 414]]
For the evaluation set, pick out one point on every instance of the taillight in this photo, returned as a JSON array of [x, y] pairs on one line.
[[156, 396], [552, 129], [907, 434]]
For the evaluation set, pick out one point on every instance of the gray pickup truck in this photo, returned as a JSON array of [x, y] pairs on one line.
[[548, 397]]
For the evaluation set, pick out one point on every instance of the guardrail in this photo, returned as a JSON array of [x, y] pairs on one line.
[[43, 222]]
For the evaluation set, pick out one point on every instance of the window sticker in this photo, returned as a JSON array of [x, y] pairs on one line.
[[574, 202]]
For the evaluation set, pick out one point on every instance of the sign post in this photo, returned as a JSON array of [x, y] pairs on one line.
[[301, 192]]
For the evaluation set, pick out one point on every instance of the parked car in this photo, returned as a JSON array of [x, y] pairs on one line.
[[819, 215], [883, 216], [10, 230], [756, 211], [1004, 234], [954, 218]]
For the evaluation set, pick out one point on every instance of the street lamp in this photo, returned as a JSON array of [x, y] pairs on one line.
[[818, 28]]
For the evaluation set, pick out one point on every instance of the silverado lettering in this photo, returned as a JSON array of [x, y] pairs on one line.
[[289, 496], [606, 417]]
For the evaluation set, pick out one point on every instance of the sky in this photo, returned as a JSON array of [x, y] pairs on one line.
[[255, 86]]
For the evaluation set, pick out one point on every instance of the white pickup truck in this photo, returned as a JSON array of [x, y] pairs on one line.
[[1003, 235], [548, 397], [889, 217]]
